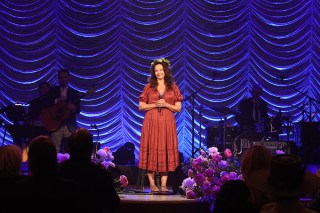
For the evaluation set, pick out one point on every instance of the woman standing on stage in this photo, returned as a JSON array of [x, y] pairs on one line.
[[160, 98]]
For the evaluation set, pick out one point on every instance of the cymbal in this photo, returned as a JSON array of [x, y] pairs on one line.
[[225, 110]]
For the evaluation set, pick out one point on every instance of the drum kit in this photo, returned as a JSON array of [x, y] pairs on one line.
[[238, 141]]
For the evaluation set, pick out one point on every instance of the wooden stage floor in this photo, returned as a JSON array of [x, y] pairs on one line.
[[158, 203]]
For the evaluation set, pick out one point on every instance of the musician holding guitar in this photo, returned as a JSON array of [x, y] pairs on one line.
[[60, 117]]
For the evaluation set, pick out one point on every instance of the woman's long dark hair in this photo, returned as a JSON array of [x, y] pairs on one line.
[[168, 78]]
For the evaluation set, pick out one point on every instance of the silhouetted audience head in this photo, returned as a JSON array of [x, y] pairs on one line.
[[81, 143], [43, 190], [42, 157], [285, 179], [233, 197], [10, 160], [43, 88], [254, 158], [10, 165], [96, 185], [314, 204]]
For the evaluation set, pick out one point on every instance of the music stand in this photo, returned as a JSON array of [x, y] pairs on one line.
[[20, 132], [15, 113]]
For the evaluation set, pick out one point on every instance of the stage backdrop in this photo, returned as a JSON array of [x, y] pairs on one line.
[[218, 49]]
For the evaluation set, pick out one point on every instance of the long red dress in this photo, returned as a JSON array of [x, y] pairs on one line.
[[159, 141]]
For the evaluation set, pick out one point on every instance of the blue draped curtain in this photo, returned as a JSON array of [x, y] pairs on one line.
[[218, 49]]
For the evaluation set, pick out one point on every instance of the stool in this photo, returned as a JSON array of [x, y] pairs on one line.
[[141, 179]]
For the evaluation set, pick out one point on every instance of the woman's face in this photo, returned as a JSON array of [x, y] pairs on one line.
[[159, 72]]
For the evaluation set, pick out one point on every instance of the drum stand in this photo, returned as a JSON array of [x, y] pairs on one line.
[[224, 111]]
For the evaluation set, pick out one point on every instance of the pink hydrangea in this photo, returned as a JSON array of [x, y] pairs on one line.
[[188, 184], [62, 157], [209, 173], [279, 152]]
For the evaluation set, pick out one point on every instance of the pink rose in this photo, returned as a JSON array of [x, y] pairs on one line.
[[228, 153], [124, 181], [190, 194], [190, 173], [107, 149]]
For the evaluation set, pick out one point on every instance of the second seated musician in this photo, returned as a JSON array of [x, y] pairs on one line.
[[36, 105], [65, 105], [253, 112], [160, 98]]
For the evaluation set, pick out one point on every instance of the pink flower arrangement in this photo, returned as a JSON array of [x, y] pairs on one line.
[[120, 183], [208, 172], [105, 157]]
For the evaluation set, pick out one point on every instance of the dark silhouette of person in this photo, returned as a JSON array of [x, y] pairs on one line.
[[124, 155], [10, 173], [285, 182], [234, 196], [36, 105], [253, 112], [96, 184], [43, 190]]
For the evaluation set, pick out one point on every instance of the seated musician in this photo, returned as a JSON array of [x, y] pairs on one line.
[[36, 105], [253, 112]]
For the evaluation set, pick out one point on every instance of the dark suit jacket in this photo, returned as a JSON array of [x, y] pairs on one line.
[[245, 119], [73, 97]]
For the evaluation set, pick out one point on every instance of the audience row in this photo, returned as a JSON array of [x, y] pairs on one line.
[[270, 183], [76, 185]]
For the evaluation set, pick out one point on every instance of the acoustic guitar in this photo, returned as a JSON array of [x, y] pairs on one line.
[[53, 116]]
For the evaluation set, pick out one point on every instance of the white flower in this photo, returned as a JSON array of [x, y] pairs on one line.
[[188, 183], [102, 154], [213, 151]]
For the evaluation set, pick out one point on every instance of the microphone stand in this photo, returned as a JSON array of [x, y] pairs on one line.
[[305, 95], [4, 134], [98, 132], [288, 130], [200, 131], [192, 96]]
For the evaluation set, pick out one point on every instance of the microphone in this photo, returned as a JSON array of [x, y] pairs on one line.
[[160, 97], [94, 126]]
